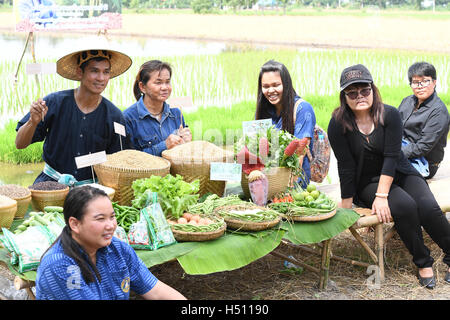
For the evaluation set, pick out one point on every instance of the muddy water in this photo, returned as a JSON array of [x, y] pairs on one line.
[[22, 175]]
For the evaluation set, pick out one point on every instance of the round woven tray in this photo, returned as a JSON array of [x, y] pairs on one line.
[[121, 179], [199, 236], [278, 177], [315, 217], [249, 225], [7, 213], [42, 198], [192, 160], [245, 225]]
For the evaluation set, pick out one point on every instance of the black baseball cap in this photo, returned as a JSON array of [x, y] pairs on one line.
[[355, 74]]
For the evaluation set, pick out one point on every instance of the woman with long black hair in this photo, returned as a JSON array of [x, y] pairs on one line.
[[366, 137], [278, 100]]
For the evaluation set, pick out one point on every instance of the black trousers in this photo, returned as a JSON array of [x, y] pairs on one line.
[[413, 206]]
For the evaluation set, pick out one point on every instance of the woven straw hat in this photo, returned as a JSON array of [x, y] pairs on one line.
[[67, 66]]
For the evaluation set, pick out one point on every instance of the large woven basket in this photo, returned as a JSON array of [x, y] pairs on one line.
[[192, 160], [7, 211], [278, 177], [22, 206], [42, 198], [121, 178]]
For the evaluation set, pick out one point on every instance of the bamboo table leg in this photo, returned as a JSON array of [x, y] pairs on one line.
[[379, 248], [325, 264]]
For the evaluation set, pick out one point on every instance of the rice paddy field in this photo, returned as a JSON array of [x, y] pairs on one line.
[[223, 86]]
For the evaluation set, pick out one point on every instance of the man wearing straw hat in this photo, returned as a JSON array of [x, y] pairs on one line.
[[76, 122]]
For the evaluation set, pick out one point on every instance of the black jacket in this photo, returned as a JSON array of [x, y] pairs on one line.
[[350, 149], [426, 129]]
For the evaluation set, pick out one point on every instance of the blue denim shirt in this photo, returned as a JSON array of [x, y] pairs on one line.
[[305, 121], [146, 132]]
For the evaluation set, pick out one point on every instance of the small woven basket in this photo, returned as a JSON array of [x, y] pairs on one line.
[[311, 218], [7, 211], [279, 178], [246, 225], [199, 236], [192, 160], [42, 198], [121, 178]]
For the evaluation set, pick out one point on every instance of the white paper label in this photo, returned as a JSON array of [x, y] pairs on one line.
[[222, 171], [40, 68], [90, 159], [249, 127], [119, 129]]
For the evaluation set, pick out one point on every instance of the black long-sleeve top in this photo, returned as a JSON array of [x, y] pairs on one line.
[[361, 158], [426, 128]]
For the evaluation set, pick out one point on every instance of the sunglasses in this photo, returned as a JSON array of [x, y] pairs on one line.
[[355, 93]]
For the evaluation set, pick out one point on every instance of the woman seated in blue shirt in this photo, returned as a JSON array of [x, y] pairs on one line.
[[87, 263], [277, 100], [150, 122]]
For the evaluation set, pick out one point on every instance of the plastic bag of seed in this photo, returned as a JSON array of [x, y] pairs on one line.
[[29, 246], [160, 232]]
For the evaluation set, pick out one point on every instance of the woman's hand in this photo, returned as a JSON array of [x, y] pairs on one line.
[[380, 207], [185, 134], [173, 140]]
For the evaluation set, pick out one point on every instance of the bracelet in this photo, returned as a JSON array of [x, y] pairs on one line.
[[381, 195]]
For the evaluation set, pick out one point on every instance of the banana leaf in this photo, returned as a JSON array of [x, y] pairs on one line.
[[317, 231], [164, 254], [231, 251]]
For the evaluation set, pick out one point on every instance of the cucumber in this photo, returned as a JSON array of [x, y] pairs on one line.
[[53, 209], [42, 220]]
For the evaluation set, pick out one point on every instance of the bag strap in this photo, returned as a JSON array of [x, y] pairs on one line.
[[308, 152]]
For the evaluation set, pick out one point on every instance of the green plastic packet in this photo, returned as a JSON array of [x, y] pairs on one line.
[[159, 229]]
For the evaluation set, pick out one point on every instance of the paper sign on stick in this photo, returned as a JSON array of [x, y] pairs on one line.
[[249, 127], [40, 68], [90, 159], [119, 129], [222, 171]]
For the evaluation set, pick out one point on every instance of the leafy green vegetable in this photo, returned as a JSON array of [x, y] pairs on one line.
[[278, 141], [174, 194]]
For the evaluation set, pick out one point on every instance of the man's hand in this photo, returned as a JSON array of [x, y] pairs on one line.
[[38, 110]]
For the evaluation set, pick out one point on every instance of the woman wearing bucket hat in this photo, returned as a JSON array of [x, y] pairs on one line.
[[76, 122], [366, 137], [425, 118]]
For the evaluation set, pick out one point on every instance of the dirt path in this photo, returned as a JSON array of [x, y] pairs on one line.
[[372, 31]]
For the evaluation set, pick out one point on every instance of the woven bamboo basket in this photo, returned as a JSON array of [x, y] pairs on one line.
[[311, 218], [42, 198], [279, 178], [121, 178], [22, 206], [192, 160], [7, 211], [199, 236], [245, 225]]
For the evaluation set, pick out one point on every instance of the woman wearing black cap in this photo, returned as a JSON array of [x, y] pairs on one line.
[[366, 137]]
